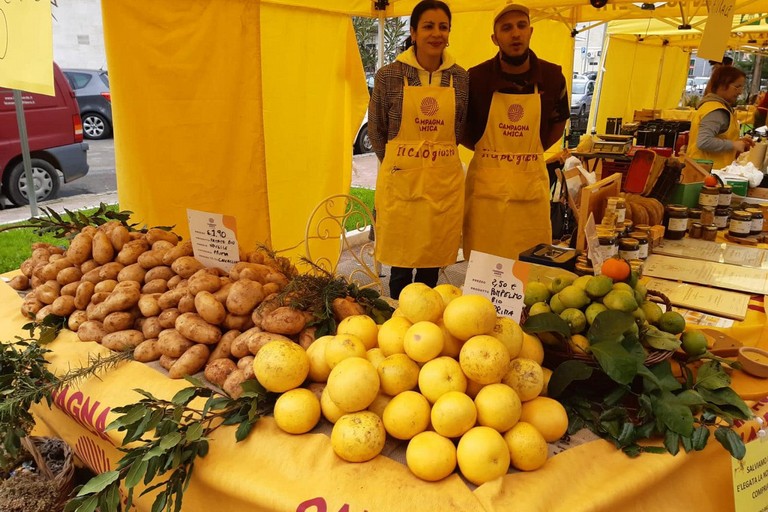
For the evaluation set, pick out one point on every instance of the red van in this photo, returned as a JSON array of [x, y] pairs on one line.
[[56, 144]]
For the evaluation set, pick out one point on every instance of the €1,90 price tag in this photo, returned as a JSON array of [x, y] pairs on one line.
[[214, 239]]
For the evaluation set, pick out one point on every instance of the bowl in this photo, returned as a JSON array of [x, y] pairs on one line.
[[754, 361]]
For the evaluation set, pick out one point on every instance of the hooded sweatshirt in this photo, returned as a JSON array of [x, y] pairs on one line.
[[425, 77]]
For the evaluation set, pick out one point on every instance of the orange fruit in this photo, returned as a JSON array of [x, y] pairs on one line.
[[710, 181], [616, 268]]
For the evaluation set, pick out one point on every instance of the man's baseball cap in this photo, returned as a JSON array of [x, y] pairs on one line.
[[504, 9]]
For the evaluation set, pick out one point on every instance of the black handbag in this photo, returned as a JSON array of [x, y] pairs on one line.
[[560, 214]]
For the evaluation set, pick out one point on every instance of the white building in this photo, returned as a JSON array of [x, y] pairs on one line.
[[78, 34]]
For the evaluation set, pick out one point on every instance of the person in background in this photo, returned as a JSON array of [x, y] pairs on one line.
[[714, 130], [518, 107], [416, 114], [762, 109]]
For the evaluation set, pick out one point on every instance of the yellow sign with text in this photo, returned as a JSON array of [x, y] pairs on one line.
[[750, 478], [714, 41], [26, 46]]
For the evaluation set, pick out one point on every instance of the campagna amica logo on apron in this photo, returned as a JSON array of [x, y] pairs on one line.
[[429, 106], [515, 113]]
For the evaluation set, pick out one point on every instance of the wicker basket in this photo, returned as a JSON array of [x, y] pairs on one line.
[[556, 354], [64, 478]]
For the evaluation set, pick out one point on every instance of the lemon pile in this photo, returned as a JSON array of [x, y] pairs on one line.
[[462, 386]]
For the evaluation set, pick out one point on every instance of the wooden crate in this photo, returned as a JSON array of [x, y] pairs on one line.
[[593, 200]]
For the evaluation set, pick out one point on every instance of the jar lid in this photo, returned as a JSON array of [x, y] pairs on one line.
[[640, 236], [710, 227], [694, 212], [710, 190], [629, 244], [741, 215], [754, 211], [696, 225], [726, 189], [677, 208]]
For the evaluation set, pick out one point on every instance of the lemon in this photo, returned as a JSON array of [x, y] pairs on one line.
[[482, 455], [672, 322], [694, 343], [509, 332], [484, 359], [575, 319], [297, 411], [440, 376], [341, 347], [398, 373], [527, 448], [652, 311], [532, 348], [358, 437], [573, 297], [406, 415], [453, 414], [448, 292], [593, 310], [375, 356], [598, 286], [583, 281], [451, 344], [353, 384], [430, 456], [392, 333], [318, 367], [560, 282], [469, 315], [330, 410], [281, 365], [498, 407], [579, 344], [423, 341], [361, 326], [547, 415], [620, 300], [538, 308], [547, 376], [418, 302], [526, 377], [535, 291]]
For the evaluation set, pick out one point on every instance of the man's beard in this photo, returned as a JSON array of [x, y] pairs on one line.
[[516, 61]]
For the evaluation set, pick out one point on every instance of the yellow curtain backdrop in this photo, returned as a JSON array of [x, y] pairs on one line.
[[638, 76], [187, 102], [316, 99]]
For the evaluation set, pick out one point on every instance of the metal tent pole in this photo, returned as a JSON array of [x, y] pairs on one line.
[[31, 195]]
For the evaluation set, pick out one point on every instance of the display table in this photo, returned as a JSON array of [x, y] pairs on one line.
[[272, 470]]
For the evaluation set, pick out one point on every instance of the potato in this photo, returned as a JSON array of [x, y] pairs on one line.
[[192, 326], [27, 267], [160, 272], [191, 362], [131, 251], [151, 258], [133, 272], [171, 298], [284, 320], [181, 249], [246, 364], [147, 351], [29, 308], [187, 303], [217, 371], [277, 278], [76, 319], [51, 270], [307, 337], [223, 292], [176, 282], [68, 275], [211, 310], [171, 343], [166, 362], [92, 330], [98, 311], [35, 282], [20, 282], [119, 236], [253, 271], [48, 292], [163, 245], [92, 275], [54, 257], [105, 286], [223, 347], [89, 265], [186, 266], [254, 338], [63, 306], [118, 321], [244, 296], [151, 327], [204, 280], [239, 347], [44, 312], [254, 257], [123, 298], [233, 384], [41, 254], [99, 297], [342, 308], [89, 230], [148, 305], [270, 288], [239, 322], [80, 248], [102, 249], [69, 289], [155, 286], [122, 340], [157, 234], [110, 270], [168, 318]]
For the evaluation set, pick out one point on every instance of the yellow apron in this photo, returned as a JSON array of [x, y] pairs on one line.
[[507, 190], [420, 185], [720, 160]]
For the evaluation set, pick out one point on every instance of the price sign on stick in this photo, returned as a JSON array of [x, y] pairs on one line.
[[214, 238], [499, 279]]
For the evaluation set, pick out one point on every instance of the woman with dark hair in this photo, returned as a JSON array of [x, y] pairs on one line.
[[417, 112], [714, 129]]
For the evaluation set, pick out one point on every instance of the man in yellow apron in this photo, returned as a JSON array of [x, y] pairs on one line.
[[420, 185], [518, 106]]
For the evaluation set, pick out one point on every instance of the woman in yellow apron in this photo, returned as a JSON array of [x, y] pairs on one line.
[[714, 129], [416, 113]]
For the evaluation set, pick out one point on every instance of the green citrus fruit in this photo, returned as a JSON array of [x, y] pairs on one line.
[[573, 297], [535, 291], [593, 310], [672, 322], [575, 318], [539, 307], [556, 305], [620, 300], [582, 281], [694, 343], [559, 283], [652, 311], [598, 286], [623, 287]]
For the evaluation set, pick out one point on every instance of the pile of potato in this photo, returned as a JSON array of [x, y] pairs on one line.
[[147, 292]]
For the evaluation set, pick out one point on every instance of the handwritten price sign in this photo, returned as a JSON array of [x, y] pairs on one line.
[[214, 239], [499, 279]]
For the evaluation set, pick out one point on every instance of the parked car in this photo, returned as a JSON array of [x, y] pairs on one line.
[[581, 96], [91, 88], [696, 85], [362, 142], [55, 133]]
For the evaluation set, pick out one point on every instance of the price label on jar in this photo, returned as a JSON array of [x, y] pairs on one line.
[[499, 279], [214, 238]]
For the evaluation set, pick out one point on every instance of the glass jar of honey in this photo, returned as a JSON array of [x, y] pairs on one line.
[[675, 222]]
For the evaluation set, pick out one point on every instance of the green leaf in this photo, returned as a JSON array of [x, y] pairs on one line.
[[700, 437], [195, 381], [546, 322], [660, 340], [159, 504], [627, 434], [615, 361], [673, 414], [88, 505], [659, 378], [194, 431], [687, 443], [99, 482], [690, 398], [184, 396], [134, 414], [672, 442], [136, 473], [731, 441], [727, 396], [171, 440], [243, 430], [253, 389], [711, 376], [609, 326], [566, 373]]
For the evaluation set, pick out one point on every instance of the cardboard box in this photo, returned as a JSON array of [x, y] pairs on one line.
[[759, 192], [686, 194]]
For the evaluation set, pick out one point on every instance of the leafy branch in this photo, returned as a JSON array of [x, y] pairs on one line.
[[167, 437]]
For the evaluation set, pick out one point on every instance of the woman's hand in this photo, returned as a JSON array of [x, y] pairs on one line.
[[743, 144]]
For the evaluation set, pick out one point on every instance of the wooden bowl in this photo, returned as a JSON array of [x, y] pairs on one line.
[[754, 361]]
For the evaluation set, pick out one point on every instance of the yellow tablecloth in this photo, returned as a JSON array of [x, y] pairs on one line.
[[272, 470]]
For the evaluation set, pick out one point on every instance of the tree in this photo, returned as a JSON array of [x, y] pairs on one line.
[[366, 32]]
